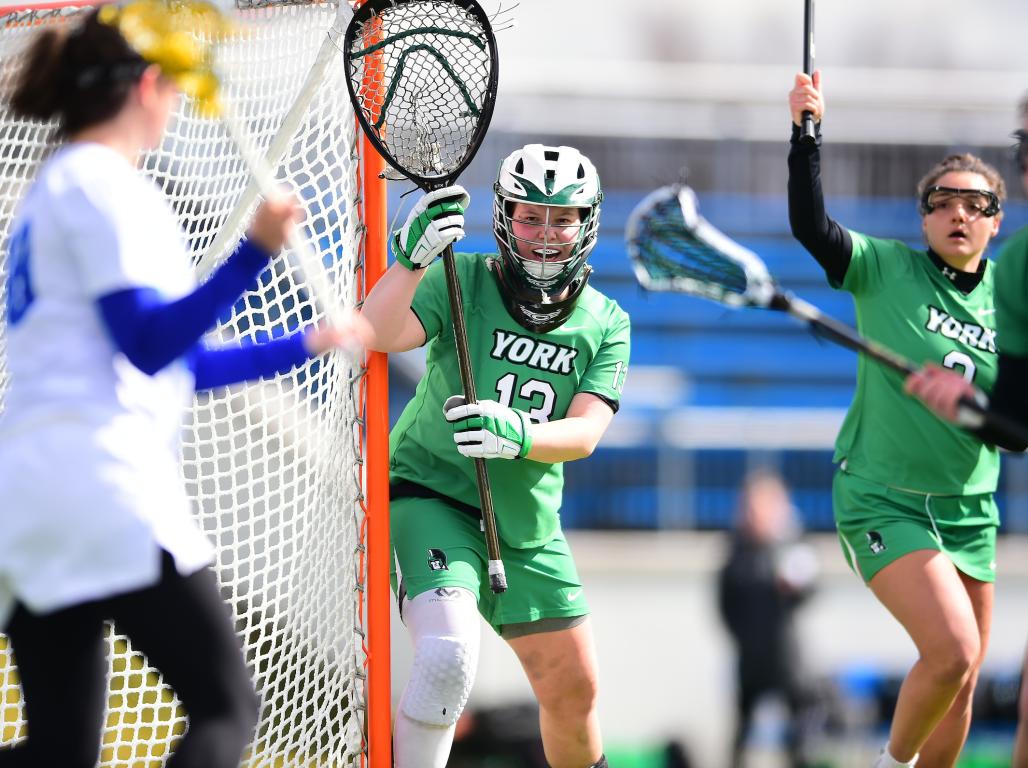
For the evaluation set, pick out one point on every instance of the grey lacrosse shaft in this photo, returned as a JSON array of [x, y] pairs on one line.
[[840, 333]]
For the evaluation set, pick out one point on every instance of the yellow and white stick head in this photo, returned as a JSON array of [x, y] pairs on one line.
[[179, 36]]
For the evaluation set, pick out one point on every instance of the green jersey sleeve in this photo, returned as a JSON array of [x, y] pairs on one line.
[[1012, 295], [868, 273], [432, 302], [606, 373]]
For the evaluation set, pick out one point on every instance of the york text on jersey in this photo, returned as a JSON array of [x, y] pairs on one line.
[[965, 333], [541, 355]]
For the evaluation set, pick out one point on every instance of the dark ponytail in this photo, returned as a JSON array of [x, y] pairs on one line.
[[80, 76], [35, 92]]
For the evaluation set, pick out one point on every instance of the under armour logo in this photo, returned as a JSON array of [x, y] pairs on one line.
[[951, 274]]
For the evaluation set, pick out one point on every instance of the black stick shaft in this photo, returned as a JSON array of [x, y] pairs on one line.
[[497, 575], [841, 334], [845, 336], [807, 132]]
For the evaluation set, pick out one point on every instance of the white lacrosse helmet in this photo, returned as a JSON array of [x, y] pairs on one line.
[[552, 177]]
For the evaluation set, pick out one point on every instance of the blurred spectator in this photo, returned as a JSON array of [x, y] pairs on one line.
[[768, 575]]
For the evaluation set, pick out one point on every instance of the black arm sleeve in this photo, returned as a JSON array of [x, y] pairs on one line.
[[825, 238], [1007, 397]]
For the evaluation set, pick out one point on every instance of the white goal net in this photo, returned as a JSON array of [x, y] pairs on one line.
[[275, 467]]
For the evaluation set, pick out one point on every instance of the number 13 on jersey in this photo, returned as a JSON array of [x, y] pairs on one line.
[[540, 394]]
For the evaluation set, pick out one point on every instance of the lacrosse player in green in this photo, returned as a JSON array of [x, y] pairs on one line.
[[941, 390], [913, 496], [549, 355]]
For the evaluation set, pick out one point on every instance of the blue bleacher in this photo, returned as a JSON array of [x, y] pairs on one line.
[[752, 354]]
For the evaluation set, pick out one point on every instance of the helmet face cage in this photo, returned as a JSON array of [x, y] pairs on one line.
[[552, 179], [979, 202]]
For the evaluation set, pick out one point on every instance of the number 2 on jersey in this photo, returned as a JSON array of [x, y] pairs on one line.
[[954, 358]]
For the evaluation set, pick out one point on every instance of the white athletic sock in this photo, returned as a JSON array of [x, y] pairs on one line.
[[886, 760], [416, 745]]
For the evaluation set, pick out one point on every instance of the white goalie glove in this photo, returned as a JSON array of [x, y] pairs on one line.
[[436, 221], [487, 429]]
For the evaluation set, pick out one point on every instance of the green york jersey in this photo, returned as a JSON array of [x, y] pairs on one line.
[[905, 302], [1012, 294], [538, 374]]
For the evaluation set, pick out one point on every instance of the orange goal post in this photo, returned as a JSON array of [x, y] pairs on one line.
[[289, 475]]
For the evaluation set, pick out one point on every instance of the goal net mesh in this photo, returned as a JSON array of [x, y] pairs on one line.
[[275, 467]]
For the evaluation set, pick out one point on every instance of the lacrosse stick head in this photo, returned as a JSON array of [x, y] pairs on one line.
[[422, 77], [179, 37], [673, 248]]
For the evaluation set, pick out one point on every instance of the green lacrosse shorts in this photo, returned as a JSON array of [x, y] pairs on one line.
[[439, 546], [878, 525]]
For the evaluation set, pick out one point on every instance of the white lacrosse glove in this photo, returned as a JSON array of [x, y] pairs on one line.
[[436, 221], [487, 429]]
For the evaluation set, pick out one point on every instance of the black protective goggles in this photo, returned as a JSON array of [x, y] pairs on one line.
[[981, 202], [1021, 150]]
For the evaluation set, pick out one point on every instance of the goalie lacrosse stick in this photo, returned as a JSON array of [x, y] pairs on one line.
[[673, 248], [422, 78]]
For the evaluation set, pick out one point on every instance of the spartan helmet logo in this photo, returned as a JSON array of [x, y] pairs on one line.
[[875, 543], [437, 560]]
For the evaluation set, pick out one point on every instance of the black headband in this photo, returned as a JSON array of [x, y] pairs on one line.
[[110, 73]]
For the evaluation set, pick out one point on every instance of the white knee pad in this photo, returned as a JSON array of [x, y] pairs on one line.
[[440, 681], [446, 631]]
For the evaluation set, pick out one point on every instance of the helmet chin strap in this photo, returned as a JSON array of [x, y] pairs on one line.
[[546, 314]]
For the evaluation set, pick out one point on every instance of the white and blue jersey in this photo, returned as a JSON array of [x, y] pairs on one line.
[[90, 452]]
